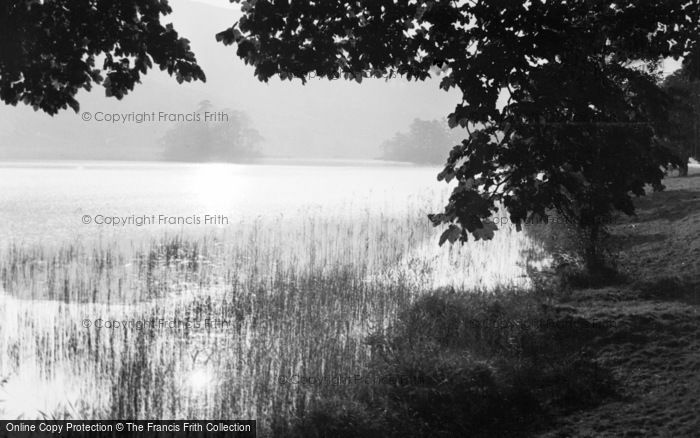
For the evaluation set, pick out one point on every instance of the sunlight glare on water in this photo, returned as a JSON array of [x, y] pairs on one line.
[[200, 378]]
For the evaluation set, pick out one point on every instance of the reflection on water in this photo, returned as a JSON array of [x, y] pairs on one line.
[[200, 321]]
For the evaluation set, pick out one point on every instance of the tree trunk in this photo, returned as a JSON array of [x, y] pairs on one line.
[[592, 256]]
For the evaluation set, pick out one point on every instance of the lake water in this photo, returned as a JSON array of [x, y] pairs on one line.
[[323, 251], [40, 200]]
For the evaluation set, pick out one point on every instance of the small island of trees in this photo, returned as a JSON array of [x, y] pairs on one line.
[[231, 140], [426, 142]]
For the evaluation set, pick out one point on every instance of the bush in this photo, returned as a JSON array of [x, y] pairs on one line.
[[578, 261], [337, 418], [470, 365]]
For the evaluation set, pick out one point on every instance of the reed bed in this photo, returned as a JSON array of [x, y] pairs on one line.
[[218, 324]]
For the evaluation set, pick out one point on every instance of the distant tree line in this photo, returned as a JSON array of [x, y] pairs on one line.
[[232, 139], [426, 142]]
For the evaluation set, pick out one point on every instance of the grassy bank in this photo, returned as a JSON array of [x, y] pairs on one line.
[[652, 344]]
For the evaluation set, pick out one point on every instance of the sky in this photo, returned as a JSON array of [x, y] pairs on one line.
[[322, 119]]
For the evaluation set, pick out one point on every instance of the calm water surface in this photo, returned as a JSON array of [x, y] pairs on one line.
[[40, 200]]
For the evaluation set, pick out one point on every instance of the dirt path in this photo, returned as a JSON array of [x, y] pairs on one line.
[[652, 337]]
